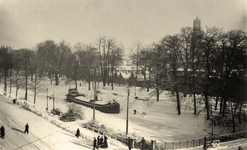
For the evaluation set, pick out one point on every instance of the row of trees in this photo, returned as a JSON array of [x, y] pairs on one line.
[[56, 60], [211, 63]]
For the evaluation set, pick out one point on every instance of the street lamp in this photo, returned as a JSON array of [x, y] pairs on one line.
[[127, 117], [95, 93]]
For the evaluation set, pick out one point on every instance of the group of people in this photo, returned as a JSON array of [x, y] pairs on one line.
[[3, 130], [100, 142], [142, 143]]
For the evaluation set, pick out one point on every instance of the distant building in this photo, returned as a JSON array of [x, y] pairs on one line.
[[127, 69], [197, 24]]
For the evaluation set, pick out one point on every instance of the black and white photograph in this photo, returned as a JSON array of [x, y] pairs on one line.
[[123, 74]]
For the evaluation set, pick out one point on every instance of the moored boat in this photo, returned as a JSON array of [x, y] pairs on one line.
[[74, 96]]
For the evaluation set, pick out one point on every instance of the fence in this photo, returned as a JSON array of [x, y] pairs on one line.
[[177, 145], [121, 139], [198, 142]]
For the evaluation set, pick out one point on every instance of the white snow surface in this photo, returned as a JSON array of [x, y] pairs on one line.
[[161, 122]]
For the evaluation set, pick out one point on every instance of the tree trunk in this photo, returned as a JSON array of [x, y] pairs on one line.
[[31, 74], [207, 105], [89, 78], [35, 88], [239, 114], [10, 86], [56, 78], [26, 84], [206, 98], [224, 106], [233, 117], [158, 94], [157, 89], [51, 77], [75, 76], [176, 88], [178, 101], [5, 80], [17, 84], [145, 78], [221, 106], [112, 78], [194, 103], [216, 102]]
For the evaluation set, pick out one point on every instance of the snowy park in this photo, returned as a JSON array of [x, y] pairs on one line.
[[160, 121], [119, 75]]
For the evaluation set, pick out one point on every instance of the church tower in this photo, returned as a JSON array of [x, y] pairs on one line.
[[196, 31], [197, 24]]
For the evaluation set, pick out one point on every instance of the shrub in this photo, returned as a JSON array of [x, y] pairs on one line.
[[76, 109]]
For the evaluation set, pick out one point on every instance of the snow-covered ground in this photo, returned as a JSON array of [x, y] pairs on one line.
[[160, 123], [45, 131], [42, 134]]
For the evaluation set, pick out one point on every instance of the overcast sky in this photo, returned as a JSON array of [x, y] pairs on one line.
[[24, 23]]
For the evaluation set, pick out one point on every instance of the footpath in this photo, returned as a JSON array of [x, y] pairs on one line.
[[43, 135]]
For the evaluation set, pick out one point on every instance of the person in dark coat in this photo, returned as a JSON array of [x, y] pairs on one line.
[[94, 143], [2, 132], [129, 143], [98, 144], [77, 133], [101, 140], [105, 142], [143, 143], [26, 129]]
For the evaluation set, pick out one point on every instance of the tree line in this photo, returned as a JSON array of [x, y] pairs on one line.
[[209, 65], [26, 68]]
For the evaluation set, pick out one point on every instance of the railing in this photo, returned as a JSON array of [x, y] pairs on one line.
[[198, 142], [121, 139], [177, 145]]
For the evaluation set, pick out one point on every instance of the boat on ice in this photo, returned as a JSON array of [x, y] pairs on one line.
[[74, 96]]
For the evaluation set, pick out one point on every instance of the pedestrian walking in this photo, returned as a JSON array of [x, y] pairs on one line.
[[98, 144], [105, 142], [77, 133], [94, 143], [129, 143], [143, 143], [101, 140], [26, 128], [2, 132]]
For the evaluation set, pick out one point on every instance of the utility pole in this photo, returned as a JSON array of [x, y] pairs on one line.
[[47, 99], [137, 55], [53, 101], [127, 118], [51, 97], [94, 93]]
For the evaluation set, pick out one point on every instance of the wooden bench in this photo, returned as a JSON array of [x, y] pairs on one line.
[[67, 119]]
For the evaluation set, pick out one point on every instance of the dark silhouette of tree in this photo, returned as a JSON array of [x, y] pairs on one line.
[[54, 56]]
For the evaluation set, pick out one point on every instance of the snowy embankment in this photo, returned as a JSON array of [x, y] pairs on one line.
[[68, 126], [154, 120]]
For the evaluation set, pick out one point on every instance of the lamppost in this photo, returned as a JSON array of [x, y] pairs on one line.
[[95, 93], [127, 117], [47, 99]]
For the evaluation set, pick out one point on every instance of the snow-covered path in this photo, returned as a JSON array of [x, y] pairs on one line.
[[43, 135]]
